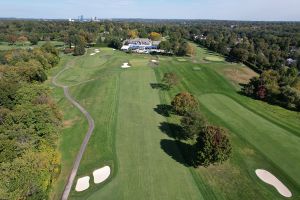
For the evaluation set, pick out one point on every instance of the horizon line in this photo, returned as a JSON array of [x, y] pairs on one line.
[[141, 18]]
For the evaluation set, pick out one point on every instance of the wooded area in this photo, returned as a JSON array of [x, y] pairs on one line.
[[29, 124]]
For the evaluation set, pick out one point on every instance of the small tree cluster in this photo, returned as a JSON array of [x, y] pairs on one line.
[[178, 47], [279, 87], [115, 43], [212, 145]]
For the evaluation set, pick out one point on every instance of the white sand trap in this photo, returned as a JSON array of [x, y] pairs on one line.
[[101, 174], [82, 184], [92, 54], [154, 61], [269, 178], [114, 49], [125, 65]]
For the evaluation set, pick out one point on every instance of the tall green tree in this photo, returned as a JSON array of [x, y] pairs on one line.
[[79, 46], [191, 123]]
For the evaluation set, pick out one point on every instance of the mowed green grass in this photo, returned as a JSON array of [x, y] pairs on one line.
[[263, 136], [128, 139], [72, 134], [214, 58], [145, 170], [127, 135]]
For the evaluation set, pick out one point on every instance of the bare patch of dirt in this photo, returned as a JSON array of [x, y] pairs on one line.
[[69, 123]]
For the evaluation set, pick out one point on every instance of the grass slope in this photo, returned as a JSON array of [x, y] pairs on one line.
[[121, 102], [145, 170], [263, 136], [146, 163]]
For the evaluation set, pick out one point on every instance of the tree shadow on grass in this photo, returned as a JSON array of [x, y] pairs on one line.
[[159, 86], [173, 130], [179, 151], [164, 110]]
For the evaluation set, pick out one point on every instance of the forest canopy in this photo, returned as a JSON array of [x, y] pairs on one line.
[[29, 124]]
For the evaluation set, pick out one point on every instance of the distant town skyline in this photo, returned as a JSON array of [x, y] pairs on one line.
[[255, 10]]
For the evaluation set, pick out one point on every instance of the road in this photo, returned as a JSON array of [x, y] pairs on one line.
[[88, 135]]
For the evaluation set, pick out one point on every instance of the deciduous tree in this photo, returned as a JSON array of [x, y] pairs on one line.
[[212, 147], [191, 123], [184, 102], [155, 36]]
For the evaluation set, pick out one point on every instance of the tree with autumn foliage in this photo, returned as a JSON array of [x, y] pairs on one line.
[[155, 36], [22, 40], [12, 39], [212, 146], [190, 50], [184, 102], [132, 34]]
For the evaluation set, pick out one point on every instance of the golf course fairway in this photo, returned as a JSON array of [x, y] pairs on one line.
[[145, 162]]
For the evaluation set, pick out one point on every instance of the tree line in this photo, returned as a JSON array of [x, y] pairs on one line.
[[271, 49], [29, 124], [263, 46], [210, 144]]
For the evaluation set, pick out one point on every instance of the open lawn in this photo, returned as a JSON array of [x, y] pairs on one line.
[[135, 140], [27, 45]]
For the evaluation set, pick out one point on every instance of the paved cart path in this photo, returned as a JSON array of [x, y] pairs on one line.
[[87, 136]]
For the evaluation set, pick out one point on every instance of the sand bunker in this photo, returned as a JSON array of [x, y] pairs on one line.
[[269, 178], [125, 65], [154, 61], [82, 184], [100, 175], [96, 51]]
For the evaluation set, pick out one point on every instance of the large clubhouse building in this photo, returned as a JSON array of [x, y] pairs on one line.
[[141, 45]]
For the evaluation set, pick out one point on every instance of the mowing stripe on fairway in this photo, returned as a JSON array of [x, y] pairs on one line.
[[145, 170], [253, 127]]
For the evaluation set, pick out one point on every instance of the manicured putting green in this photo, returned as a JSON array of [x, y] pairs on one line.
[[214, 59]]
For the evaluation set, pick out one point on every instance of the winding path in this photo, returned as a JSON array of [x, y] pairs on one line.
[[87, 136]]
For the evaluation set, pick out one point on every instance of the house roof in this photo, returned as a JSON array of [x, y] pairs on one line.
[[139, 40]]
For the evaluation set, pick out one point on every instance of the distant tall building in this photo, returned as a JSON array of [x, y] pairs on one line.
[[81, 18]]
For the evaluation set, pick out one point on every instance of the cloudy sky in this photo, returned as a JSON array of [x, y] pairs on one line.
[[283, 10]]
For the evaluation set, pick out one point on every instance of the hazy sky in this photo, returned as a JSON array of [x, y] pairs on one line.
[[287, 10]]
